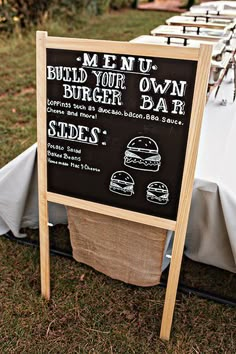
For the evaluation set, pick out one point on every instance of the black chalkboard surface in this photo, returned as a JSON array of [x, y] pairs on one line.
[[117, 128]]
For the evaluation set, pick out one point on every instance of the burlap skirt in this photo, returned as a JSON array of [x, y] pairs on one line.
[[123, 250]]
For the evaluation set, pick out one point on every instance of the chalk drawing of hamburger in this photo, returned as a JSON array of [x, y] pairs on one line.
[[142, 153], [122, 183], [157, 192]]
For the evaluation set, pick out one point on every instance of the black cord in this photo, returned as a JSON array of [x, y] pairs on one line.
[[181, 287]]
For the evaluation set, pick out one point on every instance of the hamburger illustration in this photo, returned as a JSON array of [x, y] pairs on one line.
[[157, 192], [142, 154], [122, 183]]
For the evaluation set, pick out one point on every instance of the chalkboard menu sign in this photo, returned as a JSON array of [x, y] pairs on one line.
[[117, 128], [118, 132]]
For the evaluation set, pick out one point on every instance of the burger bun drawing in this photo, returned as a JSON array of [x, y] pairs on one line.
[[142, 153], [157, 192], [122, 183]]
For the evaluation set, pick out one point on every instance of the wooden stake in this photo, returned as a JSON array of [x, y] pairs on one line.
[[42, 164], [199, 100]]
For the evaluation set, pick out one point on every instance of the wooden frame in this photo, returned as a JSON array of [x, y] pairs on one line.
[[203, 57]]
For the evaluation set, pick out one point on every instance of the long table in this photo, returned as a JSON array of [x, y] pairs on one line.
[[211, 234]]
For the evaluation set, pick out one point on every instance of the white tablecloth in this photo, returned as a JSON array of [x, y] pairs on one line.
[[211, 235], [19, 195]]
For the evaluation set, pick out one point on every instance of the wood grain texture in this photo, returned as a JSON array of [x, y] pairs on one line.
[[122, 47], [42, 166], [199, 101], [112, 211]]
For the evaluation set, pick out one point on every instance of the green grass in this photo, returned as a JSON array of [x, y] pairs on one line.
[[89, 312]]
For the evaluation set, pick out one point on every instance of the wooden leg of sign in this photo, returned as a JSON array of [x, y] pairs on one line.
[[172, 285], [44, 250], [42, 163], [199, 100]]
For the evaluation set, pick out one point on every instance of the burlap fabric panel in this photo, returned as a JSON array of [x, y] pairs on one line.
[[121, 249]]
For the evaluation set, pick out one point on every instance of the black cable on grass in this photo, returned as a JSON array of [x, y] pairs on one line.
[[181, 287], [201, 293]]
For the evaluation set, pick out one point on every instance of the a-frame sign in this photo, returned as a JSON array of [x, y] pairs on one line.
[[118, 133]]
